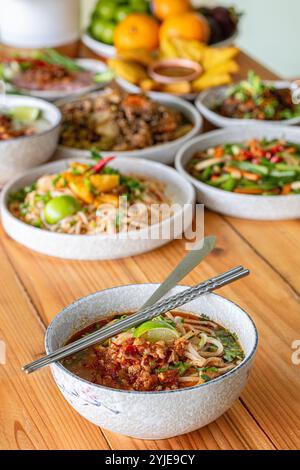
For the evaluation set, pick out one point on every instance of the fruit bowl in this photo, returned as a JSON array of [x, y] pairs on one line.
[[99, 36]]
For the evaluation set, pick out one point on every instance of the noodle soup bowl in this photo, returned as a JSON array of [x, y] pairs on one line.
[[151, 415], [104, 246], [20, 154]]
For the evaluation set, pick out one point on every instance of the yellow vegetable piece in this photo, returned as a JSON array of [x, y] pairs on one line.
[[178, 88], [167, 49], [141, 56], [81, 190], [230, 66], [189, 49], [80, 167], [150, 85], [208, 80], [112, 199], [130, 71], [105, 183], [215, 56]]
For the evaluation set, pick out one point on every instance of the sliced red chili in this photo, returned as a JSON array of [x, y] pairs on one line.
[[102, 164]]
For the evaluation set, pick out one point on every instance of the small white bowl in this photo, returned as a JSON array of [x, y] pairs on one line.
[[240, 205], [208, 98], [151, 415], [90, 65], [22, 153], [163, 153], [103, 247]]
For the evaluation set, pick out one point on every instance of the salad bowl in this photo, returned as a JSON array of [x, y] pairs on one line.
[[208, 99], [276, 207]]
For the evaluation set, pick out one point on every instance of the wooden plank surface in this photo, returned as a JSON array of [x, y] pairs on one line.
[[34, 288]]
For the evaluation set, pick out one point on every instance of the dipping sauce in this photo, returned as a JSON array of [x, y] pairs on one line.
[[177, 72]]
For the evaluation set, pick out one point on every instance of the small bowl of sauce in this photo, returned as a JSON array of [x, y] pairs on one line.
[[175, 70]]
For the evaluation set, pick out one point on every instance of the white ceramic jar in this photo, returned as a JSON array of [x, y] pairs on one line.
[[39, 23]]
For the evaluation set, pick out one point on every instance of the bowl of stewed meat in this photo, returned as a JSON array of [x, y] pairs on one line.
[[126, 124], [166, 377]]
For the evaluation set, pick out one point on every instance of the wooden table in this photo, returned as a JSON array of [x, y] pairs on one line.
[[33, 288]]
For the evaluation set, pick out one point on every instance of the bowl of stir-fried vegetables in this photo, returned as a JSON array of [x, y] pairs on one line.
[[247, 173], [251, 101]]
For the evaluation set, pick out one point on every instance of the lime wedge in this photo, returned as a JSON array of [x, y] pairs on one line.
[[25, 114], [155, 331]]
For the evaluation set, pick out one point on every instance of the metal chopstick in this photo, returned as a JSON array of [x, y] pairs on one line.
[[125, 324], [157, 309]]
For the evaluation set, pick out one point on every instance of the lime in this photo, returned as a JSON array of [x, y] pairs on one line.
[[108, 30], [96, 29], [59, 208], [139, 6], [25, 114], [106, 9], [154, 331], [122, 12]]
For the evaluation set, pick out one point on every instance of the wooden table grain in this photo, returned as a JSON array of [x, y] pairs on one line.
[[33, 288]]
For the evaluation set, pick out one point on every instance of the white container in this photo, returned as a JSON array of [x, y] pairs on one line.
[[151, 415], [39, 23]]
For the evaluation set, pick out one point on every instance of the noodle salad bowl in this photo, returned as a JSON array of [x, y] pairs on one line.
[[87, 239], [248, 203], [151, 414]]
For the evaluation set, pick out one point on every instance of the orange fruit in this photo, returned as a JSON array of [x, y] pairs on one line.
[[186, 26], [165, 8], [137, 31]]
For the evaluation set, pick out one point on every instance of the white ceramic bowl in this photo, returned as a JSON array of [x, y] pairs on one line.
[[18, 155], [100, 247], [240, 205], [90, 65], [164, 153], [208, 98], [150, 415]]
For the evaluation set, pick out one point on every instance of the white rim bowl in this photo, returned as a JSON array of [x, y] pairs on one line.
[[102, 247], [151, 415], [240, 205], [23, 153], [163, 153], [90, 65], [208, 98]]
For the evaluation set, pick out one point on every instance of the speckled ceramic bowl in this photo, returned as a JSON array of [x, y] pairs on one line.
[[150, 415], [90, 65], [240, 205], [164, 153], [18, 155], [100, 247], [207, 100]]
